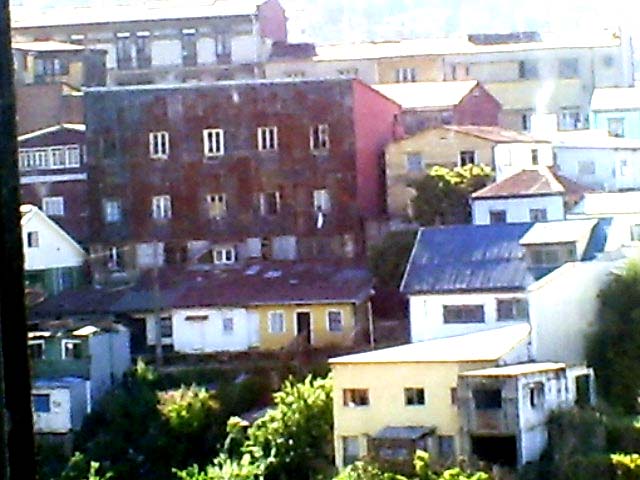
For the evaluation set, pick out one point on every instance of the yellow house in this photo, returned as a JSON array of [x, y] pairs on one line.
[[505, 151], [387, 403]]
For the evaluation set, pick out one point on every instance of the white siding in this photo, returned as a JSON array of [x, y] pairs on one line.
[[206, 48], [517, 209], [208, 336], [244, 49], [511, 158], [166, 52]]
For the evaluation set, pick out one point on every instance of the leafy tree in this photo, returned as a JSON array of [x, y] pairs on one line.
[[442, 196], [80, 468], [627, 466], [614, 348], [389, 258]]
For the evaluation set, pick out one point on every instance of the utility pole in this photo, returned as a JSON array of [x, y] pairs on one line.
[[156, 304], [17, 450]]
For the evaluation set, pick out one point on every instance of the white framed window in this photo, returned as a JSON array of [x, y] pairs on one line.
[[635, 233], [335, 322], [267, 138], [321, 201], [213, 142], [414, 396], [355, 397], [35, 348], [350, 450], [73, 156], [41, 402], [528, 69], [53, 206], [33, 239], [227, 325], [534, 156], [224, 255], [406, 74], [497, 216], [113, 259], [570, 119], [166, 327], [463, 313], [466, 157], [615, 126], [415, 163], [57, 157], [159, 145], [319, 137], [196, 318], [276, 322], [568, 67], [538, 214], [49, 158], [512, 309], [217, 205], [71, 349], [111, 210], [269, 203], [161, 207]]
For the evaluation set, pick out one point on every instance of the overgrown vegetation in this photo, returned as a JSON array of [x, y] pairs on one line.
[[389, 258], [442, 196], [614, 347]]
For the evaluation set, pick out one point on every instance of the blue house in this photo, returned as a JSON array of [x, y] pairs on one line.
[[617, 110]]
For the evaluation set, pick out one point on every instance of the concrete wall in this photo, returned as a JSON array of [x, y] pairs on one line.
[[517, 209], [631, 119], [428, 68], [58, 420], [607, 165], [366, 69], [110, 358], [511, 158]]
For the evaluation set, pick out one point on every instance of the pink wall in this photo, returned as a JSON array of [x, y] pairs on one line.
[[273, 21], [478, 107], [374, 126]]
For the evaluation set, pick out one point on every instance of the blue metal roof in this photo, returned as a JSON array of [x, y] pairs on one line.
[[463, 258]]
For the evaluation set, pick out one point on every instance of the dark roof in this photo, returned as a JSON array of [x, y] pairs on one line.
[[466, 258], [532, 182], [84, 301], [284, 50], [500, 38], [409, 433]]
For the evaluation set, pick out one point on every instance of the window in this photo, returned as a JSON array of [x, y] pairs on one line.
[[528, 69], [112, 210], [196, 318], [568, 68], [49, 158], [350, 450], [276, 322], [536, 394], [525, 121], [635, 233], [217, 205], [570, 119], [223, 46], [161, 207], [414, 396], [53, 206], [41, 402], [334, 320], [538, 214], [295, 74], [406, 74], [534, 156], [347, 72], [224, 255], [189, 48], [463, 313], [513, 309], [270, 203], [124, 58], [267, 138], [33, 240], [607, 61], [213, 142], [467, 157], [114, 259], [586, 167], [159, 145], [143, 50], [321, 201], [489, 399], [166, 327], [355, 397], [227, 325], [497, 216], [551, 257], [71, 349], [57, 157], [73, 156], [36, 349], [615, 126], [453, 394], [319, 137], [415, 163]]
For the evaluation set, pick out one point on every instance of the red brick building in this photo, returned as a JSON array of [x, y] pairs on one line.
[[220, 172]]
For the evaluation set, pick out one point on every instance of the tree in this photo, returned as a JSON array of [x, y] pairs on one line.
[[389, 258], [442, 196], [614, 347]]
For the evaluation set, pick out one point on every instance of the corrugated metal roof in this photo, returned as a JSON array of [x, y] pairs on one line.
[[417, 95], [615, 98], [486, 345], [495, 134], [530, 182], [515, 370], [409, 433], [460, 258]]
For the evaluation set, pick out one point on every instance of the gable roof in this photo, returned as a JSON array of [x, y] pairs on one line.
[[459, 258], [485, 345], [419, 95], [615, 98], [540, 181], [494, 134], [47, 46], [76, 127], [560, 231], [515, 370], [30, 212]]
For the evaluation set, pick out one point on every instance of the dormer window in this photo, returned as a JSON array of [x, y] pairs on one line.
[[552, 255]]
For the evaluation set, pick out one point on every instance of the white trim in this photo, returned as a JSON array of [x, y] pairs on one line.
[[38, 342], [78, 127], [284, 322], [342, 325], [66, 341], [33, 210], [295, 323], [71, 177]]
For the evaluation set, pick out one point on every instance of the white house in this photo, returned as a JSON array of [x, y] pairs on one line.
[[52, 259], [59, 405], [531, 195], [466, 278]]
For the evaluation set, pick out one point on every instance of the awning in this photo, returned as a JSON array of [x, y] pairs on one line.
[[404, 433]]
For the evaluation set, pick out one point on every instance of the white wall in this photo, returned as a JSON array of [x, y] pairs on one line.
[[426, 314], [208, 336], [511, 158], [58, 420], [206, 50], [366, 69], [609, 174], [563, 309], [55, 250], [244, 49], [517, 209], [166, 52]]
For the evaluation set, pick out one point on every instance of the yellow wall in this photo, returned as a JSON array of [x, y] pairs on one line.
[[76, 73], [428, 68], [320, 334], [438, 146], [386, 383]]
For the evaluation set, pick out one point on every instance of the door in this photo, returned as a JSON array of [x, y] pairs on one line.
[[303, 326]]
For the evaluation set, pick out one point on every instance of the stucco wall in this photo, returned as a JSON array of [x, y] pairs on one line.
[[517, 209], [58, 420], [510, 158], [428, 68]]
